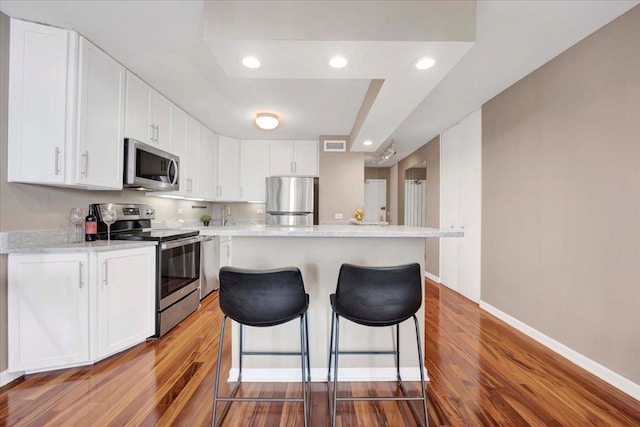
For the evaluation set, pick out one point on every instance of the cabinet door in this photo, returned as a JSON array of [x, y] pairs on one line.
[[208, 164], [254, 168], [137, 123], [100, 135], [161, 111], [179, 145], [192, 158], [228, 160], [48, 311], [280, 158], [460, 192], [38, 102], [305, 158], [125, 298]]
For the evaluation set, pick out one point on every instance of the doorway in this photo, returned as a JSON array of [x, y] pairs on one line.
[[375, 200]]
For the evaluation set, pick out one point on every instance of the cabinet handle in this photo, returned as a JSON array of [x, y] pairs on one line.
[[295, 167], [291, 167], [189, 185], [85, 168], [80, 273], [157, 134], [57, 160], [104, 273], [241, 192]]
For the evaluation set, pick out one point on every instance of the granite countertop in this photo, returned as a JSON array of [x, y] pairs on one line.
[[58, 241], [328, 231]]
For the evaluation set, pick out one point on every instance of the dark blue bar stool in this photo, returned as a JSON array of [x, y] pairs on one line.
[[376, 296], [263, 298]]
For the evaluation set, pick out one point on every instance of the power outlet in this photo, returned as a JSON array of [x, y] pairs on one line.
[[259, 211], [180, 212], [338, 216]]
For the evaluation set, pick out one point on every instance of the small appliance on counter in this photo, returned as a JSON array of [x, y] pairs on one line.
[[177, 260], [289, 200]]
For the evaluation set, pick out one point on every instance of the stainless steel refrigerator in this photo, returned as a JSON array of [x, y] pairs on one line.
[[290, 200]]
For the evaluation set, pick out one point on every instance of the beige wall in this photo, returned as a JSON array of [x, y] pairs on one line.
[[341, 184], [430, 152], [561, 198]]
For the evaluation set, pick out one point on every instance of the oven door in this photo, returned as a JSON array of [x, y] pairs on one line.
[[179, 270]]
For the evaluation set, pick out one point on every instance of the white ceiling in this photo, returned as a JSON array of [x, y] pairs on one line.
[[191, 50]]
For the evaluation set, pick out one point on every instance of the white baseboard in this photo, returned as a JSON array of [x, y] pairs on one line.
[[6, 377], [618, 381], [432, 277], [320, 374]]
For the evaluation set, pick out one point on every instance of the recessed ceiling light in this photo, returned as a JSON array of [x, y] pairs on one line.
[[367, 142], [251, 62], [267, 121], [338, 62], [425, 63]]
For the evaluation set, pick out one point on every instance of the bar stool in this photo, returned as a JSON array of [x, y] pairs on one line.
[[263, 298], [376, 296]]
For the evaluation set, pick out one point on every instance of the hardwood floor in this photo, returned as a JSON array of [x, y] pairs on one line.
[[482, 373]]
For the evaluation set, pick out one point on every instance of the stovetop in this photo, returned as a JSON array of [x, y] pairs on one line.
[[158, 235]]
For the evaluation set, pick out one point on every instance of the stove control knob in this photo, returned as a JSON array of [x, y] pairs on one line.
[[149, 211]]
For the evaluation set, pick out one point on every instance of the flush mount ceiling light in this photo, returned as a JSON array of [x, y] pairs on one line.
[[425, 63], [267, 121], [251, 62], [338, 62], [368, 142]]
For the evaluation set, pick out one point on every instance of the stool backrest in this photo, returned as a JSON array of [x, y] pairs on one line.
[[379, 295], [262, 297]]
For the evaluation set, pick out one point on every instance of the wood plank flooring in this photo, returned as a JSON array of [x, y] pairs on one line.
[[483, 373]]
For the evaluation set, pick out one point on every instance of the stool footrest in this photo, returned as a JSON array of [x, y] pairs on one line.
[[270, 353], [365, 352], [259, 399]]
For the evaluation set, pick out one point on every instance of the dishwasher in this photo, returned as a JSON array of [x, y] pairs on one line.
[[209, 265]]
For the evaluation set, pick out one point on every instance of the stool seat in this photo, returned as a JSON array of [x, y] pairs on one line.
[[376, 297], [263, 298]]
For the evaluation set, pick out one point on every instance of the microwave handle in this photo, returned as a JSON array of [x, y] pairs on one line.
[[175, 164]]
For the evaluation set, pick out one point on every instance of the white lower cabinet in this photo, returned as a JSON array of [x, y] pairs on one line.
[[74, 309], [48, 311], [125, 299]]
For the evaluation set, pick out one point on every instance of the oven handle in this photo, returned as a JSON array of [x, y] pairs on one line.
[[183, 242]]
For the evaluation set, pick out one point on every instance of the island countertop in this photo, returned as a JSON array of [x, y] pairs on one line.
[[347, 230]]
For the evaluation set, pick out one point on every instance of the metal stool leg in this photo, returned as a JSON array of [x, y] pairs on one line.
[[330, 355], [303, 358], [335, 371], [398, 353], [217, 383], [421, 366]]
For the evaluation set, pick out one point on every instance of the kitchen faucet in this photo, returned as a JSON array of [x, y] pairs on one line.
[[226, 214]]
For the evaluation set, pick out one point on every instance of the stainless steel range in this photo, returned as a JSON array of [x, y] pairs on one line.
[[177, 261]]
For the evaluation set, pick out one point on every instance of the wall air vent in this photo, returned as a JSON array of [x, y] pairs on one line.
[[334, 145]]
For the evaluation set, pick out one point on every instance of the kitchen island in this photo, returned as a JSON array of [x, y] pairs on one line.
[[319, 251]]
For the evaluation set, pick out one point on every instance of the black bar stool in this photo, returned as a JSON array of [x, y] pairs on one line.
[[263, 298], [376, 296]]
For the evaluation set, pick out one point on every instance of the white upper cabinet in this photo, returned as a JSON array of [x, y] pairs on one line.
[[41, 87], [207, 164], [298, 158], [179, 145], [191, 163], [100, 126], [228, 160], [148, 114], [161, 111], [138, 107], [254, 168]]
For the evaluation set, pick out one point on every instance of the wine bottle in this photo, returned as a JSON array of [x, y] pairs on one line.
[[91, 226]]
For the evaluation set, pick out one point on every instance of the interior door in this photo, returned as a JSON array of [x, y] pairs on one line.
[[375, 200]]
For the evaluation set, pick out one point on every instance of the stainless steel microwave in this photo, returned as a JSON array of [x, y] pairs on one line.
[[147, 167]]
